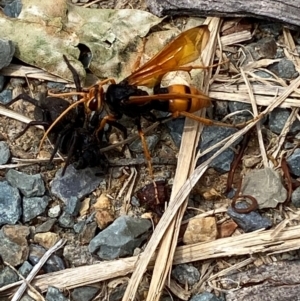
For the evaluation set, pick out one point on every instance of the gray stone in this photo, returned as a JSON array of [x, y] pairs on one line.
[[72, 206], [176, 128], [13, 9], [29, 185], [7, 276], [244, 111], [277, 120], [265, 185], [86, 293], [55, 294], [296, 197], [78, 227], [120, 238], [53, 264], [66, 220], [10, 204], [5, 96], [75, 183], [4, 152], [25, 269], [210, 136], [285, 69], [186, 274], [32, 207], [206, 296], [7, 50], [251, 221], [46, 226], [293, 162]]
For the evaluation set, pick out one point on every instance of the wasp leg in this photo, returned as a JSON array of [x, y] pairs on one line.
[[106, 119], [145, 146], [148, 157], [205, 121]]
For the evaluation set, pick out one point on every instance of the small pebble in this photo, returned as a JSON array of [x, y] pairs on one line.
[[5, 96], [251, 221], [13, 9], [293, 162], [7, 50], [186, 274], [296, 197], [4, 152], [54, 211]]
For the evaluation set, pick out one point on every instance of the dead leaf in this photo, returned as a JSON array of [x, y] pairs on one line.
[[43, 32]]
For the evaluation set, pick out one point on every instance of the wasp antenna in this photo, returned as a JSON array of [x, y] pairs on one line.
[[66, 94]]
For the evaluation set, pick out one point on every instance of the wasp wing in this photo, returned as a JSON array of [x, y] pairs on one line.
[[185, 49]]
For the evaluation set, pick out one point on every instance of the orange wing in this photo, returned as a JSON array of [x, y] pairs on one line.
[[185, 49]]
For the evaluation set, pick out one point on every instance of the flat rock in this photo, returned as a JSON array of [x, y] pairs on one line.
[[200, 229], [10, 204], [120, 238], [29, 185], [265, 185], [14, 248], [75, 183]]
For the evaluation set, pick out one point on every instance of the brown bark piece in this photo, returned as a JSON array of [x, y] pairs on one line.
[[283, 11]]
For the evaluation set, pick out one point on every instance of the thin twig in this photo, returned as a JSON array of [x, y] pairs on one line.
[[36, 268]]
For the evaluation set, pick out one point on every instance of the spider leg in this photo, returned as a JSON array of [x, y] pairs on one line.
[[45, 124], [24, 97]]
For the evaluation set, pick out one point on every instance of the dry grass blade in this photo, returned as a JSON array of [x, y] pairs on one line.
[[287, 126], [291, 48], [14, 70], [260, 64], [258, 126], [236, 38], [234, 267], [263, 241], [264, 94], [17, 116], [36, 269], [185, 165]]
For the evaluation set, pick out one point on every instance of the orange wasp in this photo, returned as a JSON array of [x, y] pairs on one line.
[[126, 98]]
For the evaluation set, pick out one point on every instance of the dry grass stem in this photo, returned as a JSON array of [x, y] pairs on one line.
[[287, 126], [290, 48], [186, 163], [258, 125], [232, 268], [264, 95], [17, 116], [14, 70], [36, 269], [262, 241], [237, 37]]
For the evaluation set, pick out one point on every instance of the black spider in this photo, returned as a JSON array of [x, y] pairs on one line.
[[75, 133]]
